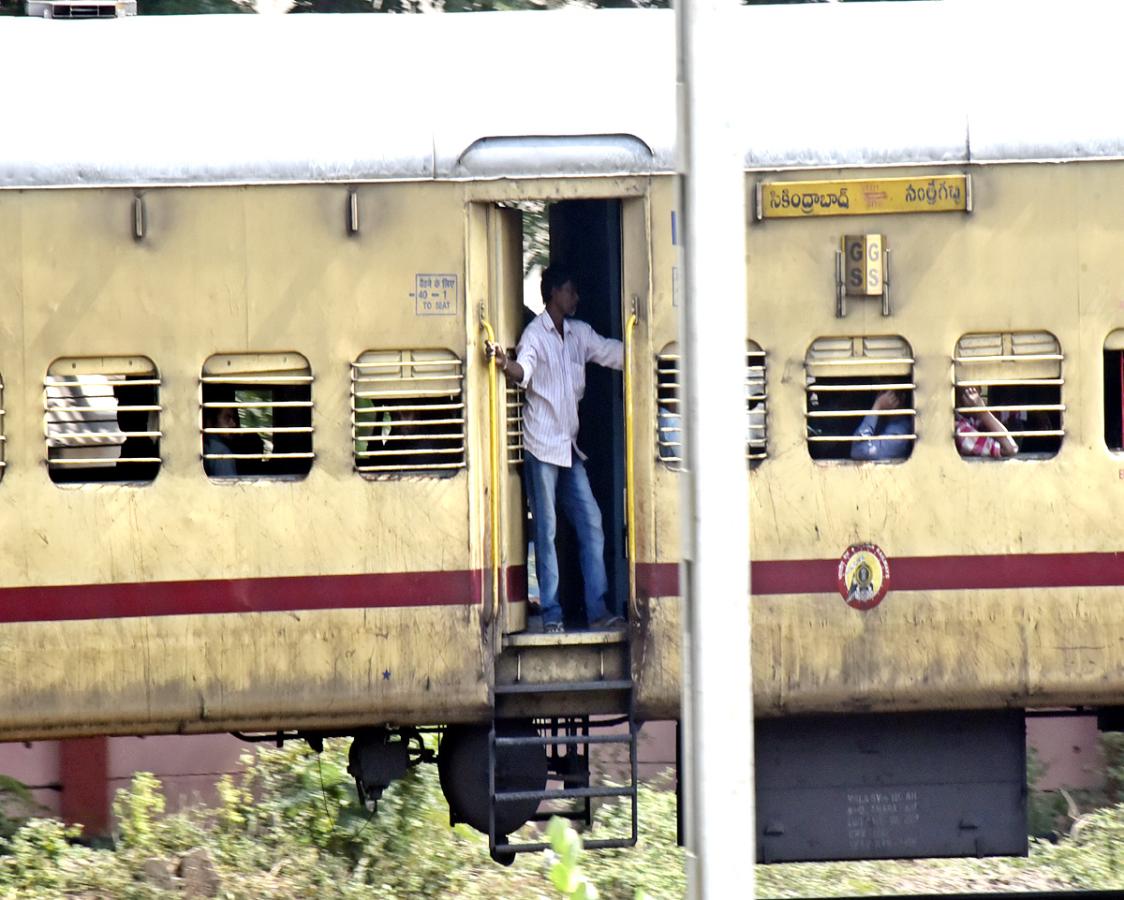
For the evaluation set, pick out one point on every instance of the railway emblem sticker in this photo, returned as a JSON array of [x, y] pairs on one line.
[[864, 576]]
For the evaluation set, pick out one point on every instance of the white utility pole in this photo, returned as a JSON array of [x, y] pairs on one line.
[[714, 574]]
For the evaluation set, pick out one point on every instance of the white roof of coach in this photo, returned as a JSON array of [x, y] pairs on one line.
[[274, 99]]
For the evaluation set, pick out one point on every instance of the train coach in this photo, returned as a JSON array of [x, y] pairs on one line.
[[258, 476]]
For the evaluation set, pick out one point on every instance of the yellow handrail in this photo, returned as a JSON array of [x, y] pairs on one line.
[[629, 469], [494, 470]]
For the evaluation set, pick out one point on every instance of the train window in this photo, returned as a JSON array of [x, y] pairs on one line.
[[669, 434], [408, 412], [102, 418], [859, 398], [1008, 395], [513, 398], [257, 415], [1114, 390], [756, 403]]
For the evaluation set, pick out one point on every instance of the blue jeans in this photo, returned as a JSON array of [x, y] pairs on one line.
[[547, 486]]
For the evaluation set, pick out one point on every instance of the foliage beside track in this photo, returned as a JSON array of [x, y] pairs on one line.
[[291, 827]]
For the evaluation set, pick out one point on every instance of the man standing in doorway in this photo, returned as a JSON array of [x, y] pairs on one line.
[[550, 367]]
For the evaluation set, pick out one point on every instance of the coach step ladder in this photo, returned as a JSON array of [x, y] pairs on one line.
[[572, 695]]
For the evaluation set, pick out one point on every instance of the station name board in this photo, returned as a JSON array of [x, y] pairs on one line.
[[863, 197]]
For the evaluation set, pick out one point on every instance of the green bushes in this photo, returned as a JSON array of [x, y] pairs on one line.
[[290, 826]]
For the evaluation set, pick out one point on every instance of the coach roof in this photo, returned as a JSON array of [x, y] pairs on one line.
[[305, 98]]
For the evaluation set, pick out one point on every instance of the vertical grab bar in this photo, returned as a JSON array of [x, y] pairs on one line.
[[629, 468], [494, 468]]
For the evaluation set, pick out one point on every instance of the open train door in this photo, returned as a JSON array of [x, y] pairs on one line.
[[496, 271], [605, 242]]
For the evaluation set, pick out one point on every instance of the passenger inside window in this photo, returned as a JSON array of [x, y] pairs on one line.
[[1000, 421], [884, 414], [881, 432], [1008, 390], [409, 413], [257, 416], [220, 436], [978, 431], [421, 433]]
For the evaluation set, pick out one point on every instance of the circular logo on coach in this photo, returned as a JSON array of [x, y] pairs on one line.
[[864, 576]]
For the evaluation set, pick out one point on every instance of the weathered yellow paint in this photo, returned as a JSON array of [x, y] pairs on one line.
[[863, 196], [920, 650], [231, 271], [1021, 279], [264, 270], [319, 293], [1039, 252], [249, 672]]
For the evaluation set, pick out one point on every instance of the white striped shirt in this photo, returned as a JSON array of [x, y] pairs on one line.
[[554, 379]]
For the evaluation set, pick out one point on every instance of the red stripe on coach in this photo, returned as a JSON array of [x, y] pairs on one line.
[[917, 573], [239, 595]]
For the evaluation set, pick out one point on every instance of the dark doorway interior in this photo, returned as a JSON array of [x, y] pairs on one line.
[[586, 236]]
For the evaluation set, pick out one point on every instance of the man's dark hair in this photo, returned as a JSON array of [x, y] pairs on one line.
[[554, 276]]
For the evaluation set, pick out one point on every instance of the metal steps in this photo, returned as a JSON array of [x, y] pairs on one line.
[[575, 673], [574, 800], [573, 692]]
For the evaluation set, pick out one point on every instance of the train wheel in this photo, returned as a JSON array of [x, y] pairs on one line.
[[462, 762]]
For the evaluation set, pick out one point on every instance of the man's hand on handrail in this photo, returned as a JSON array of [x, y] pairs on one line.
[[511, 369]]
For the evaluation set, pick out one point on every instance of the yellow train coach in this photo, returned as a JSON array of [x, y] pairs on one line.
[[259, 476]]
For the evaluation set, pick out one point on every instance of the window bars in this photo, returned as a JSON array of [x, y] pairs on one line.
[[102, 419], [1018, 378], [756, 401], [513, 400], [669, 427], [408, 412], [844, 377], [257, 415]]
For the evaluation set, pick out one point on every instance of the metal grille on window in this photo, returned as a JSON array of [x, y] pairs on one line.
[[859, 398], [669, 415], [513, 398], [407, 412], [102, 419], [257, 415], [669, 428], [756, 401], [1016, 377]]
